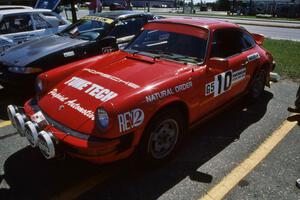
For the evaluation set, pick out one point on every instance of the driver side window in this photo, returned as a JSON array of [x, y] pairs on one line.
[[226, 43]]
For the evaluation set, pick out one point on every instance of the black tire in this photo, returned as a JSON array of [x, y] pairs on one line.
[[258, 84], [159, 131], [297, 102]]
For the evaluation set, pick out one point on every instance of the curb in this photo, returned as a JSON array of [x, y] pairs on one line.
[[242, 23]]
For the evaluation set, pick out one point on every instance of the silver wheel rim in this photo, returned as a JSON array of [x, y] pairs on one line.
[[163, 139]]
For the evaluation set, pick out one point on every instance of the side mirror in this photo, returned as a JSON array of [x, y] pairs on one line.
[[217, 65], [108, 44]]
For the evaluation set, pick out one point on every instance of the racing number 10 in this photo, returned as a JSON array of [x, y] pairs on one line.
[[222, 82]]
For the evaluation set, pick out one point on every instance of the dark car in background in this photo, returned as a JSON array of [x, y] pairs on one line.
[[92, 35]]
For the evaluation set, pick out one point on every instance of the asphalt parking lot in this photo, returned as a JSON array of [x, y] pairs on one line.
[[211, 164]]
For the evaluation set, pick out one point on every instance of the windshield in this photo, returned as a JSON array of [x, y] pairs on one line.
[[88, 28], [169, 45]]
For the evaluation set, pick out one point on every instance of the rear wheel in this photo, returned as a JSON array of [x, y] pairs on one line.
[[259, 83], [162, 137]]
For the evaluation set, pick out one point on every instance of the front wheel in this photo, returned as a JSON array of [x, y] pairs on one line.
[[162, 137]]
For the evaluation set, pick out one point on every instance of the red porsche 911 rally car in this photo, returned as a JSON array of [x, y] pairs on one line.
[[144, 98]]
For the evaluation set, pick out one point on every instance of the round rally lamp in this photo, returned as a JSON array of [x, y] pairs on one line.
[[102, 119], [11, 112], [46, 144], [31, 133], [20, 120]]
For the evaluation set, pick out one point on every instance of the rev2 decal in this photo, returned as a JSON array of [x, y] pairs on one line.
[[130, 119]]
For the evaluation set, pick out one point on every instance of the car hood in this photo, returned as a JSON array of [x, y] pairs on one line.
[[28, 52], [74, 100]]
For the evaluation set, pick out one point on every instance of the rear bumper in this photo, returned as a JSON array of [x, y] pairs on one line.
[[66, 140]]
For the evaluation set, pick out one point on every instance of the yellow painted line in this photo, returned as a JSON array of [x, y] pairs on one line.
[[237, 174], [5, 123]]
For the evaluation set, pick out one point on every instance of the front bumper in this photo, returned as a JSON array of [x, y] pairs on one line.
[[55, 139], [17, 80]]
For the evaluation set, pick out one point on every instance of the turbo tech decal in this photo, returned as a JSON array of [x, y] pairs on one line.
[[72, 104], [92, 89], [224, 81], [168, 92], [130, 119], [253, 56], [113, 78]]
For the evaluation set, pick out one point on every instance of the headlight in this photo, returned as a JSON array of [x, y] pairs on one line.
[[102, 119], [39, 85], [25, 70]]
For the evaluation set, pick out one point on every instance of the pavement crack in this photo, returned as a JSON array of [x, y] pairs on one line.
[[8, 135]]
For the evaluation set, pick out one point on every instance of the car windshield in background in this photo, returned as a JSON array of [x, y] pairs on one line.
[[169, 45], [88, 28]]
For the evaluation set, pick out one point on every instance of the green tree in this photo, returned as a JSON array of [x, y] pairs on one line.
[[223, 5]]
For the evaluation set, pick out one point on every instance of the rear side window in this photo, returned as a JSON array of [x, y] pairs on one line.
[[229, 42], [16, 23], [248, 41], [40, 23]]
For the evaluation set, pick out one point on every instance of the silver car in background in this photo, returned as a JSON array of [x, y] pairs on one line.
[[20, 25]]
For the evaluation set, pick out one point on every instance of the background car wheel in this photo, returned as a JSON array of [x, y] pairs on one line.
[[259, 83], [162, 137]]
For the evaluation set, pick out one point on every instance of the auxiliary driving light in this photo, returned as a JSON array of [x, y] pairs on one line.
[[31, 133], [46, 144], [20, 120]]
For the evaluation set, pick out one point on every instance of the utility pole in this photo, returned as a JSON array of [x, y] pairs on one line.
[[192, 6], [73, 10]]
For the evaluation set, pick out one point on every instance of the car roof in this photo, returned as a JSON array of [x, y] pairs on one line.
[[17, 11], [121, 14], [14, 7], [198, 22]]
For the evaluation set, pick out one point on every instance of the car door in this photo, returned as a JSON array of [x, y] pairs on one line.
[[15, 29], [126, 29], [230, 78]]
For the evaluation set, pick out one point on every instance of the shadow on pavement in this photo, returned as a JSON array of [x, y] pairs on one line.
[[294, 118], [9, 97], [29, 175]]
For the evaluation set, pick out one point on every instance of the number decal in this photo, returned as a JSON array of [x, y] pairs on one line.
[[222, 82]]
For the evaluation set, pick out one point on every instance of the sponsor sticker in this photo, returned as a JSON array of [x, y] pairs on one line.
[[38, 117], [73, 104], [130, 119], [99, 19], [223, 81], [168, 92], [97, 91], [253, 56]]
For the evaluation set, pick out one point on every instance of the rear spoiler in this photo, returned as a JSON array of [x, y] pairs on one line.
[[258, 38]]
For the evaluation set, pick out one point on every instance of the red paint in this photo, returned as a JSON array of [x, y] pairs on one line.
[[151, 76]]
